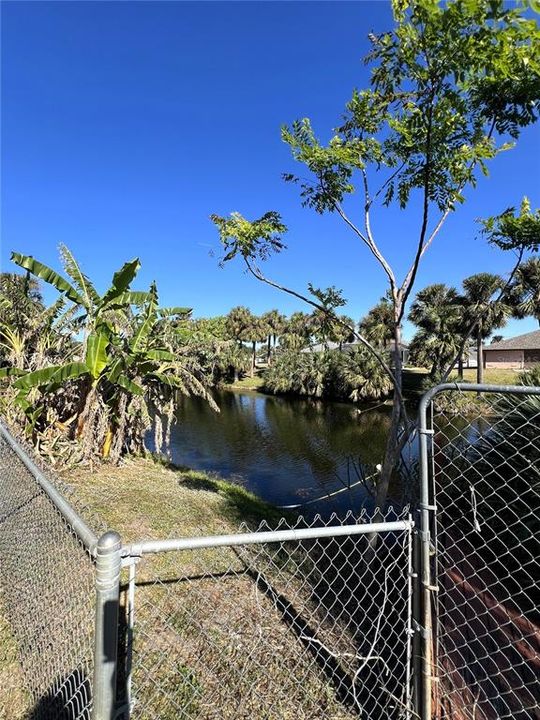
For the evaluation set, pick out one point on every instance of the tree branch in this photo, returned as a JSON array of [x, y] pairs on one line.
[[387, 182], [408, 283], [256, 272], [372, 247]]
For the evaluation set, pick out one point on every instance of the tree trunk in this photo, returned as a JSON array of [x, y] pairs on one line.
[[393, 446], [479, 356], [392, 452], [253, 359], [268, 350], [460, 368]]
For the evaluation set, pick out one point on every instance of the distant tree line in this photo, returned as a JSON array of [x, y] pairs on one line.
[[443, 316]]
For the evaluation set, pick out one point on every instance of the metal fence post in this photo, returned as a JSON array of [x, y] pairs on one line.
[[108, 563], [425, 705]]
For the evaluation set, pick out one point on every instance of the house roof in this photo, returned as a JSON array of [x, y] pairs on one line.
[[528, 341]]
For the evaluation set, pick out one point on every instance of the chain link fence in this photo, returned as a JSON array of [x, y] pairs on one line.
[[304, 619], [46, 602], [258, 626], [484, 470]]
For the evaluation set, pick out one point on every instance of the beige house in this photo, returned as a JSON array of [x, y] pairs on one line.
[[518, 352]]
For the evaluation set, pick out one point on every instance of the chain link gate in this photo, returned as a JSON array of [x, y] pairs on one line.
[[302, 622], [480, 530]]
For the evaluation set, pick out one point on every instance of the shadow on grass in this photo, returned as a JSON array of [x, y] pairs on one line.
[[242, 505], [67, 699]]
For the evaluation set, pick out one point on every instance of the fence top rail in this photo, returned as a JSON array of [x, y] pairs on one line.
[[88, 538], [274, 536], [475, 387]]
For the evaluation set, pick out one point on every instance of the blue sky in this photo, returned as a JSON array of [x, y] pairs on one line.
[[125, 124]]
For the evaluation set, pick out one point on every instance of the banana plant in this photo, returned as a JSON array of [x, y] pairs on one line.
[[126, 376], [92, 309]]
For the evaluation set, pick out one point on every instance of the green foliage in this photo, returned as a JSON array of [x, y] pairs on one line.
[[39, 270], [378, 325], [524, 292], [531, 377], [511, 231], [363, 376], [125, 374], [484, 303], [238, 323], [354, 375], [445, 82], [446, 318], [297, 332], [20, 298], [255, 240], [438, 313]]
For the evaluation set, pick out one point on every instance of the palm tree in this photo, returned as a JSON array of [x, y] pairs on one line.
[[321, 324], [343, 332], [237, 323], [484, 308], [364, 377], [524, 293], [297, 331], [437, 312], [275, 322], [377, 326], [256, 332]]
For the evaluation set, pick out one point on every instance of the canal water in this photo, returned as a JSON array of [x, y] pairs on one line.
[[289, 451]]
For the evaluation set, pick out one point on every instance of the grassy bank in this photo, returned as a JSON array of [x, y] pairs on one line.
[[210, 635], [142, 498]]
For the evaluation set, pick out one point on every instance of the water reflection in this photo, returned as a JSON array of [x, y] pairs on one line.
[[287, 450]]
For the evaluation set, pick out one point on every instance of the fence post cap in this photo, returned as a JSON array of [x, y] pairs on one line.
[[110, 540]]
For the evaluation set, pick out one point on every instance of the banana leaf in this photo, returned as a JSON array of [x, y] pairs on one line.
[[171, 311], [10, 372], [50, 276], [121, 281], [96, 352], [53, 373], [82, 282], [129, 385]]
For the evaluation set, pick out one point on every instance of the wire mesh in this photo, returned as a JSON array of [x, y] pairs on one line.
[[46, 602], [313, 629], [486, 481]]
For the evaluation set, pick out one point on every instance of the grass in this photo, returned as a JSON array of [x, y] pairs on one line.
[[492, 376], [210, 641], [248, 383], [14, 702], [143, 498]]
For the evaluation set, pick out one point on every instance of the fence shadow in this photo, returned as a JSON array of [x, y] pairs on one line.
[[67, 699]]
